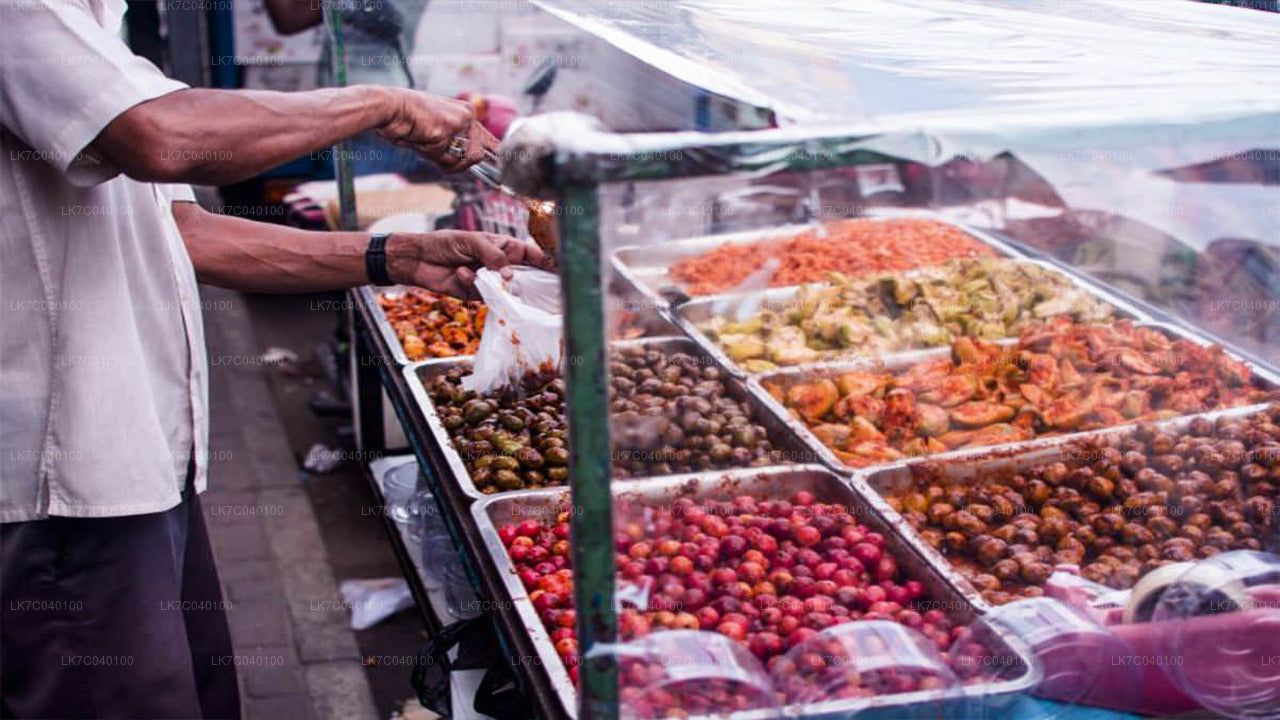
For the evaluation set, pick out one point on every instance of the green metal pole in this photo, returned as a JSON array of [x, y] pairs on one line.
[[590, 467], [342, 150]]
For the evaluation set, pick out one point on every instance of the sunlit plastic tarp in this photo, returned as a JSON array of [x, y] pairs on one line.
[[928, 61], [1092, 94]]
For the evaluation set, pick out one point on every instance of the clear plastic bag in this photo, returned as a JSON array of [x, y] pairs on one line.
[[523, 329], [861, 660], [677, 673]]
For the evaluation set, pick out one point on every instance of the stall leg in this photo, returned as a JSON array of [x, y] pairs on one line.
[[366, 386], [590, 466]]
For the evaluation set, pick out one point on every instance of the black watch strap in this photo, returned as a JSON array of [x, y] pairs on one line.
[[375, 260]]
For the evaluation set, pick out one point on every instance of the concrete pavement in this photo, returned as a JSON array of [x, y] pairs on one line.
[[295, 652]]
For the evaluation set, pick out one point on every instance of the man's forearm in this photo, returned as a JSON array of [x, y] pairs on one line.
[[260, 257], [217, 137]]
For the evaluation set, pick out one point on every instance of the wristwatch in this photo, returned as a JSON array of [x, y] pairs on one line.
[[375, 260]]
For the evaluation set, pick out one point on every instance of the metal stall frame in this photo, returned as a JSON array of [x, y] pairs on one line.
[[375, 368], [555, 157]]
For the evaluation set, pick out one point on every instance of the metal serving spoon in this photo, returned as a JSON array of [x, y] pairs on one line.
[[542, 226]]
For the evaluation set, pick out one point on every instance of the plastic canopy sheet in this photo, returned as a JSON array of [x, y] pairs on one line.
[[1147, 134], [1156, 84], [1078, 62]]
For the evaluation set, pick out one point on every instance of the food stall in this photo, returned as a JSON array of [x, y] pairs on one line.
[[845, 424]]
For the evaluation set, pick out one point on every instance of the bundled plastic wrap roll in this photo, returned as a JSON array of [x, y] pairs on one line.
[[1220, 633]]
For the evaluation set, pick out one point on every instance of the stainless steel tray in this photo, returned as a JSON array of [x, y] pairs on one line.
[[901, 361], [990, 466], [647, 267], [654, 318], [699, 310], [944, 586], [793, 449]]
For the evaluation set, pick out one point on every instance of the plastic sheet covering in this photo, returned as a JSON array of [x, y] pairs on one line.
[[1093, 95], [928, 60]]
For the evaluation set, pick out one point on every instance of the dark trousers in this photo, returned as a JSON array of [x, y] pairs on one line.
[[114, 618]]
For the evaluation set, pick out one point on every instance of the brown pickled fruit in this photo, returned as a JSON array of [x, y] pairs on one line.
[[1117, 507], [511, 440], [673, 413]]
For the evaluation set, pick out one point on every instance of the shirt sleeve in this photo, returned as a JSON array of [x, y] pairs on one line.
[[63, 78]]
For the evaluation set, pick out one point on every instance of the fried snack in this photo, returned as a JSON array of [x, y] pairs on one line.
[[1060, 377], [853, 247], [542, 226]]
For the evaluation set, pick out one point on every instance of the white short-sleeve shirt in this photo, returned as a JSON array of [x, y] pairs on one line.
[[103, 377]]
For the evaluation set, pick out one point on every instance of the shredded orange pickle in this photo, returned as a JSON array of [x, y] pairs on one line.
[[853, 247]]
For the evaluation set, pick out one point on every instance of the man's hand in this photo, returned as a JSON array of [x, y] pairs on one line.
[[446, 260], [429, 123]]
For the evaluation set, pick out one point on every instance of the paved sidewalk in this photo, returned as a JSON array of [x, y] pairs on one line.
[[295, 652]]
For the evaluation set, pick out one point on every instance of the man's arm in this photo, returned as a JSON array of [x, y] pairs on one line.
[[217, 137], [260, 257], [293, 16], [75, 92]]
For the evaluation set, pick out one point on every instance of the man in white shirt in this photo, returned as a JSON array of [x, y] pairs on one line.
[[106, 579]]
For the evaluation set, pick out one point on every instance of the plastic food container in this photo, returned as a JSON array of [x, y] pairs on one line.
[[1083, 662], [689, 672], [440, 559], [861, 660], [398, 487]]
